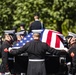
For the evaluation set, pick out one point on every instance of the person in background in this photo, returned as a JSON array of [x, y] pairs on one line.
[[14, 28], [36, 24], [36, 54], [22, 28], [68, 57], [6, 68], [72, 52], [67, 41], [14, 35], [19, 36], [19, 60], [22, 34]]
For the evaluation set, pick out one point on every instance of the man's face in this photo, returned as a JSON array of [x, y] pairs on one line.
[[36, 17], [73, 40], [7, 37]]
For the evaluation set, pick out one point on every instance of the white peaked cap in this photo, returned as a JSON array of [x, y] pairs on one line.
[[9, 31], [37, 31], [71, 34], [20, 33]]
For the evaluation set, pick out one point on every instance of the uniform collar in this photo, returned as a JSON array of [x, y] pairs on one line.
[[36, 19]]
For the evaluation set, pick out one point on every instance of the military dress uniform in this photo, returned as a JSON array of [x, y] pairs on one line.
[[5, 64], [19, 59], [36, 25], [7, 58], [36, 56], [23, 29], [72, 49]]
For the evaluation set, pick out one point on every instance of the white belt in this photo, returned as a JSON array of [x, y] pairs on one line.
[[10, 58], [36, 59]]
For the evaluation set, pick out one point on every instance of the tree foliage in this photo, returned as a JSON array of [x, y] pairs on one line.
[[55, 14]]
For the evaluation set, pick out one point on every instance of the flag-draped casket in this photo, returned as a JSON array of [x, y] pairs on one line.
[[52, 38]]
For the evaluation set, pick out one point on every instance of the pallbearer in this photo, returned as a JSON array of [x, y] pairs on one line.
[[36, 54], [7, 59]]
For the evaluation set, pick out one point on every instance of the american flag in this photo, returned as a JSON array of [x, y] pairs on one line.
[[52, 38]]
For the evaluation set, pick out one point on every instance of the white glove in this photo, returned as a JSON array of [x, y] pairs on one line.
[[65, 49], [9, 49]]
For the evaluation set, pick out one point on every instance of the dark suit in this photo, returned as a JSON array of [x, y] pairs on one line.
[[24, 34], [36, 50], [35, 25], [73, 49], [5, 64]]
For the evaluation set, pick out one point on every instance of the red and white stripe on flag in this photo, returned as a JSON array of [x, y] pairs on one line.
[[52, 38]]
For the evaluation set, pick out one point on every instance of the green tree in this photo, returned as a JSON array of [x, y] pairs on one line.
[[55, 14]]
